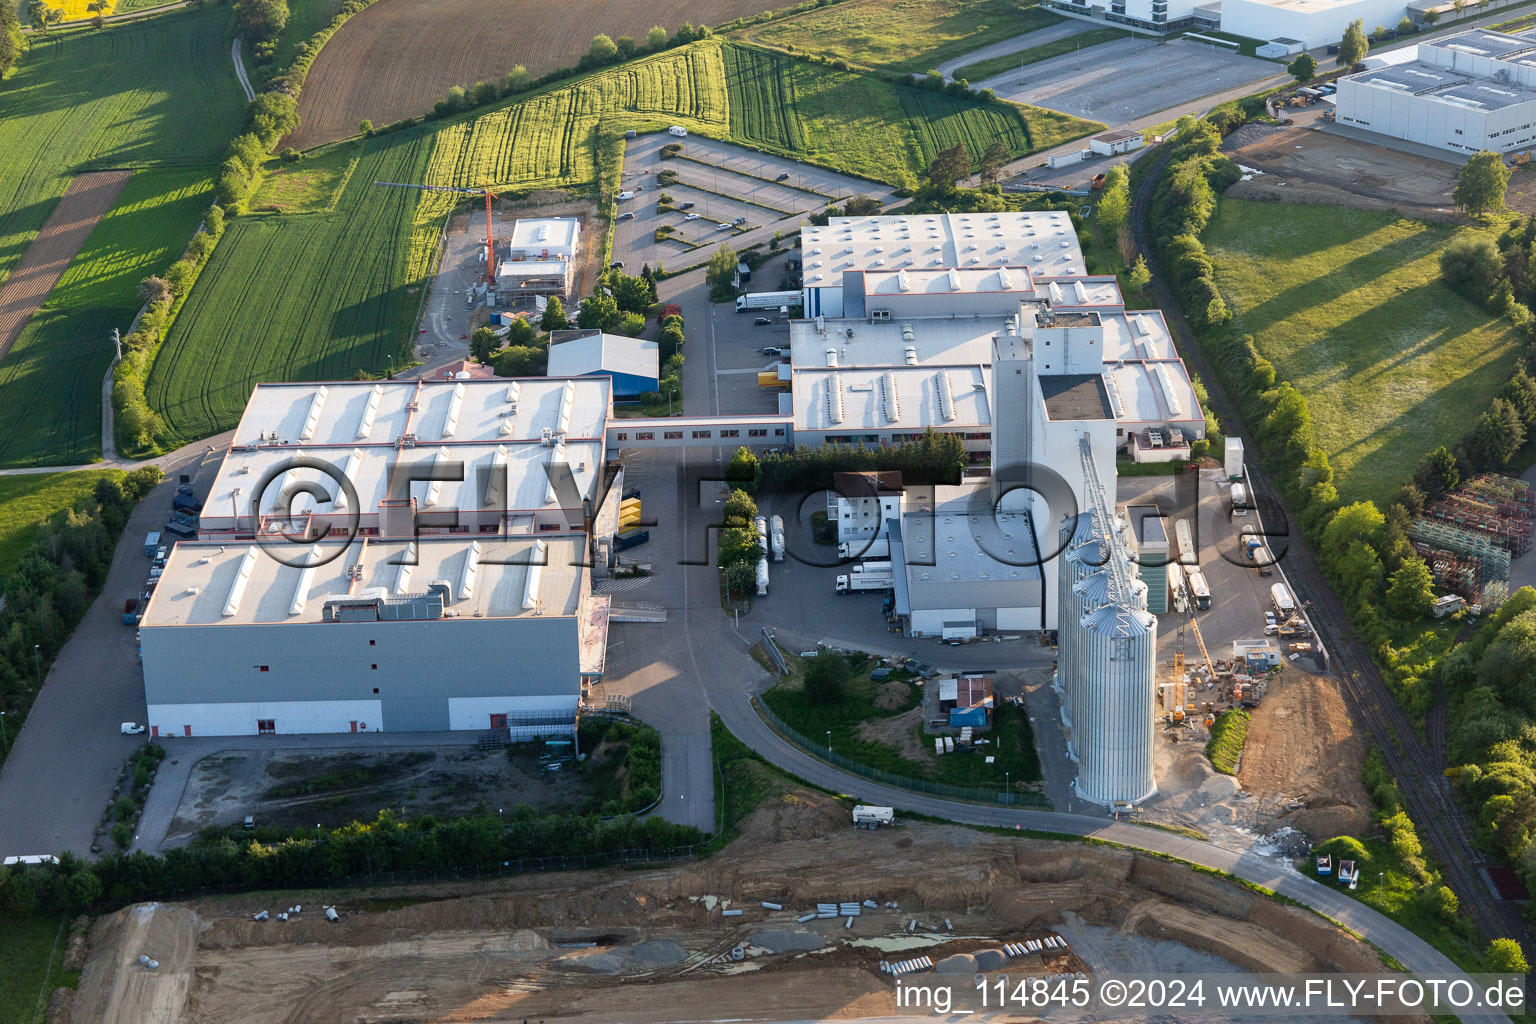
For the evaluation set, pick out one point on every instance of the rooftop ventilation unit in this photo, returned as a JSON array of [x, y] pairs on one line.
[[834, 399], [890, 406], [348, 472], [408, 560], [1170, 396], [1005, 279], [536, 558], [455, 406], [370, 412], [910, 354], [470, 571], [1080, 290], [316, 404], [831, 357], [946, 393], [242, 577], [496, 486], [306, 579], [435, 487], [952, 279]]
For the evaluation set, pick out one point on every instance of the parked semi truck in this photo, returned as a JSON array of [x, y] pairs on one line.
[[1285, 604], [762, 577], [1198, 587], [874, 566], [776, 536], [766, 300], [864, 549], [870, 816], [864, 582]]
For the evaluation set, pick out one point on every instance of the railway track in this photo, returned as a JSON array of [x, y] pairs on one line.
[[1419, 767]]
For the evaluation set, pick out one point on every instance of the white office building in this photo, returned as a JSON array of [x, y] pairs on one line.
[[1313, 23], [1464, 93]]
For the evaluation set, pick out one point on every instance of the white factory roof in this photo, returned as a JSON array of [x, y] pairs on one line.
[[1080, 292], [946, 281], [932, 341], [1045, 242], [1151, 392], [542, 233], [241, 584], [966, 540], [1142, 334], [610, 353], [374, 471], [899, 398], [432, 411]]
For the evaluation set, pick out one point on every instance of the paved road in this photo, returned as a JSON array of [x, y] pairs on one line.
[[62, 768], [1039, 37]]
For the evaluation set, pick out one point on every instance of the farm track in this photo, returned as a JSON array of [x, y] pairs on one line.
[[85, 202], [396, 59], [1418, 768]]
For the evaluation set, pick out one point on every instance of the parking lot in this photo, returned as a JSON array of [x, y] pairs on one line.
[[1119, 81], [717, 184]]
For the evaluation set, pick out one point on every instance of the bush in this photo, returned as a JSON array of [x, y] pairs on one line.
[[826, 678]]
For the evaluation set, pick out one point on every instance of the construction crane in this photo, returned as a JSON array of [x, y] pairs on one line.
[[1180, 680], [490, 240]]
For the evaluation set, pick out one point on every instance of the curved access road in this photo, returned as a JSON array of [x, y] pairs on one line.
[[1397, 942], [245, 83]]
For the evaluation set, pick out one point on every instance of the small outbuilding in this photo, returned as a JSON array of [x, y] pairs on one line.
[[1120, 140], [634, 364]]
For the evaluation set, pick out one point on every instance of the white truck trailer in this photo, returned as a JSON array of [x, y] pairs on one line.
[[864, 549], [776, 536], [869, 816], [766, 300], [762, 577], [1199, 588], [865, 582], [1285, 604]]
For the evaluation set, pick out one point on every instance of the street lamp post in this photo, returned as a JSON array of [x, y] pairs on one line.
[[37, 660], [1008, 785], [1381, 887], [4, 743], [829, 742], [670, 393]]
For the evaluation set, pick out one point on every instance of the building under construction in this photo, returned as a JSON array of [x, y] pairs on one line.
[[1107, 647]]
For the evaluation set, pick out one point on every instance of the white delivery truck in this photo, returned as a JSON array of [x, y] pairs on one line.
[[865, 582], [766, 300], [869, 816], [875, 566], [864, 549]]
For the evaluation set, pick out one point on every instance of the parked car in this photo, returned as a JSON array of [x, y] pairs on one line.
[[685, 206], [131, 728], [626, 216], [250, 821], [616, 265], [626, 195], [691, 216], [739, 220], [769, 350], [782, 177], [763, 321], [678, 130], [723, 226]]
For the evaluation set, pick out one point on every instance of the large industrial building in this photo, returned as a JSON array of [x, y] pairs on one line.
[[632, 364], [446, 585], [1468, 92]]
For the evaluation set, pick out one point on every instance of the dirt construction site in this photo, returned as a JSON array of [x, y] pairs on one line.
[[695, 941]]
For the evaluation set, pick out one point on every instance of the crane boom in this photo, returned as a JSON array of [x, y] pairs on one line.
[[490, 238]]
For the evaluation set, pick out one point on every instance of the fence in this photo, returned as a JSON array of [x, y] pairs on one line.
[[411, 876], [944, 789]]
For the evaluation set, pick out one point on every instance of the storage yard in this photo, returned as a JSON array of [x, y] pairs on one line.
[[657, 944]]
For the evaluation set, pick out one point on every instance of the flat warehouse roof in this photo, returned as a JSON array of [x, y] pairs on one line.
[[966, 540], [241, 584], [445, 411], [900, 398], [379, 472], [934, 341], [545, 232], [1045, 242], [595, 351], [1152, 392], [1142, 334]]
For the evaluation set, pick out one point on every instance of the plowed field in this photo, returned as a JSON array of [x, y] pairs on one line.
[[399, 57]]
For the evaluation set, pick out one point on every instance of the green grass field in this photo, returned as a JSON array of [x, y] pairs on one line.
[[984, 69], [866, 126], [365, 251], [156, 92], [52, 377], [305, 18], [26, 944], [1226, 744], [1350, 308], [29, 499], [903, 35]]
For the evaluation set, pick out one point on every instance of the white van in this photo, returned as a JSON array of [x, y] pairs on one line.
[[678, 130]]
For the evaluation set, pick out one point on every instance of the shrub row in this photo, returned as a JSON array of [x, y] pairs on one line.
[[934, 459], [316, 857]]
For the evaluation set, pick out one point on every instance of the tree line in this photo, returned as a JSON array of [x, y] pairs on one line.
[[54, 583], [308, 857]]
